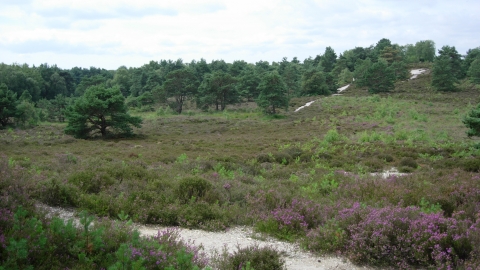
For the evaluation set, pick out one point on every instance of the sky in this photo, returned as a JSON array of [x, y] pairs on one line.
[[109, 34]]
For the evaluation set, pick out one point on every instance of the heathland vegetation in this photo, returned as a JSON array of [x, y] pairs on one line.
[[214, 145]]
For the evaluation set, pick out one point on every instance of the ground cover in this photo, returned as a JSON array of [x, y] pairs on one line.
[[302, 177]]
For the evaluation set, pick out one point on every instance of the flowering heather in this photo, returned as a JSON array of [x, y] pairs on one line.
[[399, 236], [161, 249]]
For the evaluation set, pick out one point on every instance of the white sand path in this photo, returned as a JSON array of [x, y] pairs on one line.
[[339, 90], [239, 236]]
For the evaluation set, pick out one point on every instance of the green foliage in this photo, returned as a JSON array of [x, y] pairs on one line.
[[474, 71], [273, 93], [192, 188], [180, 84], [249, 258], [472, 122], [314, 83], [8, 104], [391, 54], [443, 76], [454, 60], [425, 50], [100, 110], [328, 59], [248, 82], [217, 88], [400, 70], [379, 78], [345, 77], [26, 115], [361, 69], [427, 207]]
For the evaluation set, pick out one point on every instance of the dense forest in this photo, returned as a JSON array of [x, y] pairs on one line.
[[42, 93]]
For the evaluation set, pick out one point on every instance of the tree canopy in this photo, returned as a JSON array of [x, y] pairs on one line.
[[443, 77], [273, 93], [100, 111], [8, 101], [472, 122], [380, 78], [180, 84]]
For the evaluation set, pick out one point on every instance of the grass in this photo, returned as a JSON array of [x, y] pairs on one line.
[[291, 176]]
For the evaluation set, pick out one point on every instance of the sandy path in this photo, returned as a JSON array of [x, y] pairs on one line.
[[339, 90], [240, 236]]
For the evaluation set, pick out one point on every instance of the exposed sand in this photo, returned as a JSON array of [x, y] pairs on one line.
[[341, 89], [240, 236], [416, 72]]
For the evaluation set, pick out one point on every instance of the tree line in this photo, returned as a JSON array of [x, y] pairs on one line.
[[44, 93]]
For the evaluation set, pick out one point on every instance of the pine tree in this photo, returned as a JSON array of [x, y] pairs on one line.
[[273, 93], [100, 110], [379, 78], [443, 78]]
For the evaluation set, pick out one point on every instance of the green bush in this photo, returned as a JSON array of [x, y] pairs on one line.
[[57, 193], [192, 188], [408, 162], [253, 257], [91, 182], [471, 165]]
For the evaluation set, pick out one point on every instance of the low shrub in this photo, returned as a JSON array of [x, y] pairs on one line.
[[396, 236], [253, 257], [408, 162], [57, 193], [261, 158], [192, 187], [471, 165], [91, 181]]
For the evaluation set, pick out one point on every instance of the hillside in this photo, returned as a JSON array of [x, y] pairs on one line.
[[303, 176]]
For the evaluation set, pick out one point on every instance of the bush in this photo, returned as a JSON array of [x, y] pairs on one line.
[[56, 193], [91, 182], [396, 236], [471, 165], [192, 188], [253, 257], [408, 162]]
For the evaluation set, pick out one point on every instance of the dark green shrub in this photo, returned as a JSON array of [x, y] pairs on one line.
[[471, 165], [253, 257], [261, 158], [199, 215], [293, 152], [168, 159], [406, 169], [57, 193], [408, 162], [190, 187], [306, 156], [386, 157], [374, 164], [91, 182], [282, 158]]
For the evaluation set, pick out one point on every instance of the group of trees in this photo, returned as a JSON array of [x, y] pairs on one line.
[[32, 94], [449, 67]]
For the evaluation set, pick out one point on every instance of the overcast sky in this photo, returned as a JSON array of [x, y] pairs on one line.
[[108, 34]]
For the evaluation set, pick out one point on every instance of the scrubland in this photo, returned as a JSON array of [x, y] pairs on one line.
[[302, 176]]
